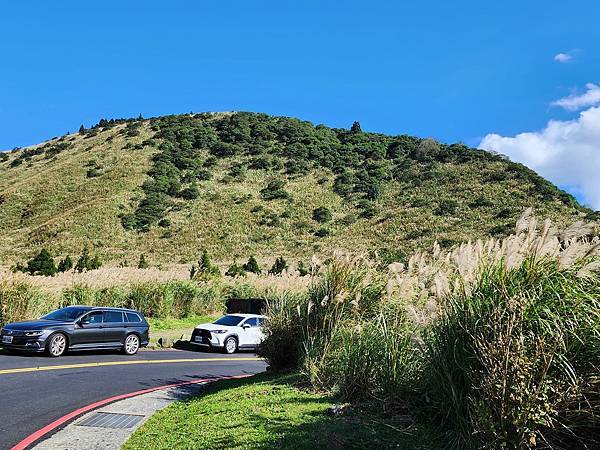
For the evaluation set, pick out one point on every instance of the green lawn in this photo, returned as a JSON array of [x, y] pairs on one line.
[[270, 411], [172, 329]]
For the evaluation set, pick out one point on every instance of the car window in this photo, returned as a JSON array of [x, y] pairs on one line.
[[133, 317], [113, 317], [93, 317], [253, 322], [65, 314], [229, 321], [261, 321]]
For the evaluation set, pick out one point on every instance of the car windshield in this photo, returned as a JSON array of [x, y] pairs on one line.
[[66, 314], [229, 321]]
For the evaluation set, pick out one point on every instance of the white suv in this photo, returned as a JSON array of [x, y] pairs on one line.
[[230, 332]]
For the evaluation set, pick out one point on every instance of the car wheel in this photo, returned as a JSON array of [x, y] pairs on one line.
[[131, 345], [230, 345], [57, 345]]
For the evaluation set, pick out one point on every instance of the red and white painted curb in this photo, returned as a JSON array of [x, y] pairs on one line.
[[39, 434]]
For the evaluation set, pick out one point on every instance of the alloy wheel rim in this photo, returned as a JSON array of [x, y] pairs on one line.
[[132, 344], [230, 345], [57, 347]]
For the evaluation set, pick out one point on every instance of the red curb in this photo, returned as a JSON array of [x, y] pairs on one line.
[[36, 436]]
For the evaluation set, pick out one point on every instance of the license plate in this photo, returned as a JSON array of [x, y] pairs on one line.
[[198, 338], [7, 339]]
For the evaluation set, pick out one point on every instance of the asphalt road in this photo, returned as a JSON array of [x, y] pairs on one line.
[[31, 399]]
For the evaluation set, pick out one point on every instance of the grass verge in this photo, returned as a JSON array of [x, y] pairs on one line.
[[170, 329], [271, 411]]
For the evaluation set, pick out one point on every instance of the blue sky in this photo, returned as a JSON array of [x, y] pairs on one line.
[[456, 71]]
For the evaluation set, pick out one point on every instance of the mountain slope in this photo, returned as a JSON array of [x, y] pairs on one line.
[[241, 184]]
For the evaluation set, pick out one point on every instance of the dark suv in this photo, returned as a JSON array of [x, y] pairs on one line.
[[78, 328]]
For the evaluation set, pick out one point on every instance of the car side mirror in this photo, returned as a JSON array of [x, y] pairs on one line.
[[245, 326], [82, 322]]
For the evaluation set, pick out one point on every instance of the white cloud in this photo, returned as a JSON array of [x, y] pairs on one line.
[[563, 57], [567, 56], [565, 152], [573, 102]]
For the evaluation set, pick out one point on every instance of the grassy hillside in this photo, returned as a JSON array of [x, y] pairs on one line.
[[240, 184]]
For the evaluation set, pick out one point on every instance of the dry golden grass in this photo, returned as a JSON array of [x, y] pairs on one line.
[[108, 277], [105, 277]]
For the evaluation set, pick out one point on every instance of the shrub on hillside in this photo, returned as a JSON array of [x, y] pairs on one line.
[[142, 263], [205, 269], [278, 266], [189, 193], [274, 190], [238, 171], [322, 214], [322, 232], [164, 223], [252, 266], [235, 270], [92, 172], [42, 264], [302, 269], [87, 261], [65, 264], [367, 209], [446, 208]]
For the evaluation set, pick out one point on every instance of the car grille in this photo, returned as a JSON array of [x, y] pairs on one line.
[[204, 334]]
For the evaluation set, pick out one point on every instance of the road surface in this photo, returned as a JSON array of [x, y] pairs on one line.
[[36, 390]]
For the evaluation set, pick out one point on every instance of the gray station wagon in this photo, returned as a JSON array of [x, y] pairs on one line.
[[79, 328]]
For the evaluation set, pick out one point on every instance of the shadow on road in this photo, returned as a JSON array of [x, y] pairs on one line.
[[187, 346]]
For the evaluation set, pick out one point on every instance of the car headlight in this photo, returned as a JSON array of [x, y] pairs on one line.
[[34, 333], [219, 331]]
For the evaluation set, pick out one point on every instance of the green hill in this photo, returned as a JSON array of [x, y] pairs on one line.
[[240, 184]]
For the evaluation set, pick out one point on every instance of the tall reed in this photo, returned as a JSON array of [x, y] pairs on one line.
[[495, 342]]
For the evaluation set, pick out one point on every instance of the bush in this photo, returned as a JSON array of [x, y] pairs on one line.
[[322, 232], [514, 362], [93, 172], [322, 214], [42, 264], [65, 264], [446, 208], [203, 175], [142, 263], [87, 261], [20, 301], [205, 268], [278, 266], [252, 266], [367, 209], [189, 193], [235, 270], [302, 269], [164, 223], [282, 345], [274, 190]]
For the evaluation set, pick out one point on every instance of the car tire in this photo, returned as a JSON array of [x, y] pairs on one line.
[[57, 345], [230, 345], [131, 345]]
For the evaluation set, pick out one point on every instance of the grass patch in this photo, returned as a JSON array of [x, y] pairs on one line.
[[271, 411], [170, 329]]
